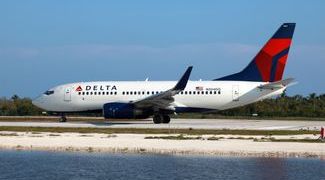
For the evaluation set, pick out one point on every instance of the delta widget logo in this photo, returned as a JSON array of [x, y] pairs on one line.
[[79, 88]]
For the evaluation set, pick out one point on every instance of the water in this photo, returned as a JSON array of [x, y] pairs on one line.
[[67, 165]]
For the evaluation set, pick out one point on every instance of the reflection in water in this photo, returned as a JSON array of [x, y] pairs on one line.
[[48, 165], [271, 168]]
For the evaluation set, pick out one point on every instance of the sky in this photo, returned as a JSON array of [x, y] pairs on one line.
[[46, 43]]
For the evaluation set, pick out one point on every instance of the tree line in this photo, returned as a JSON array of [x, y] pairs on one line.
[[16, 106], [312, 105]]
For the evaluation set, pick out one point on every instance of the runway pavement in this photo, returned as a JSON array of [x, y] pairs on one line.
[[184, 124]]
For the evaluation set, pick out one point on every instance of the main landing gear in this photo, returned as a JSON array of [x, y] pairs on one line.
[[63, 118], [159, 118]]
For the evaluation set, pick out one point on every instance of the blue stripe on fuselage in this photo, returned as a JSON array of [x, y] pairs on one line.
[[191, 109]]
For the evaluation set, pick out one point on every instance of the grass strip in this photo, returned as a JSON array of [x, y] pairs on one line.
[[179, 137], [189, 131], [289, 140], [180, 116]]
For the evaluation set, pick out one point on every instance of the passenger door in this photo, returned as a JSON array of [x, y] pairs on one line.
[[67, 94], [235, 93]]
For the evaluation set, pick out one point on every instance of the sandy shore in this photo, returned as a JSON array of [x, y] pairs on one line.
[[137, 143]]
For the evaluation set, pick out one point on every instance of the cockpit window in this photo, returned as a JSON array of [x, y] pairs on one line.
[[49, 92]]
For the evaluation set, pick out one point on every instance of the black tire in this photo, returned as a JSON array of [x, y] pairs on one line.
[[166, 119], [63, 119], [157, 119]]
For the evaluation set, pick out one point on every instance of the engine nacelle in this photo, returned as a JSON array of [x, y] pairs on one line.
[[123, 111]]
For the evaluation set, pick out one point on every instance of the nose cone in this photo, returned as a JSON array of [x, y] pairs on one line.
[[38, 102]]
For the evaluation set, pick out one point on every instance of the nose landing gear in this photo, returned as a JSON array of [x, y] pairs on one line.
[[63, 118]]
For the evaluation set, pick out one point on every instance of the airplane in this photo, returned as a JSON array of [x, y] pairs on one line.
[[260, 79]]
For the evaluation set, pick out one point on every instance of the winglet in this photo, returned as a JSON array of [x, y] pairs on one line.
[[181, 84]]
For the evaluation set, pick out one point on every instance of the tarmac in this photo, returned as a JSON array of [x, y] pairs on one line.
[[181, 124]]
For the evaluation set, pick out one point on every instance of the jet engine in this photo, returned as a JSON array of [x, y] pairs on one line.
[[123, 111]]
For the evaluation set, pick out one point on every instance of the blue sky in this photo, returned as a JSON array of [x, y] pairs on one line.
[[46, 43]]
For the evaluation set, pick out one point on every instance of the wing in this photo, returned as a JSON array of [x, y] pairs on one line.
[[164, 99], [278, 84]]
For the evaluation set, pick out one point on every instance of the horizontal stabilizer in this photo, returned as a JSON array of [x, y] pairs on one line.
[[278, 84]]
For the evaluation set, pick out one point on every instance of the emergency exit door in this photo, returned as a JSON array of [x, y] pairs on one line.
[[235, 93]]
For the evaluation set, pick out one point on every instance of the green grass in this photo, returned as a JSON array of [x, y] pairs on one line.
[[216, 116], [9, 134], [156, 131], [180, 116], [213, 138], [306, 140], [49, 118], [178, 137]]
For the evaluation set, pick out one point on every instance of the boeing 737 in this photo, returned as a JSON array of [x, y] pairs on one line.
[[261, 79]]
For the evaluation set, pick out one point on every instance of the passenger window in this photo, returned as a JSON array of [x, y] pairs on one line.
[[111, 93], [79, 93], [123, 93], [185, 92], [194, 92], [157, 92], [142, 92], [87, 93], [210, 92], [206, 92], [219, 92], [99, 93], [190, 92], [148, 92], [214, 92], [181, 92], [153, 92], [115, 93], [91, 93], [95, 93], [83, 93]]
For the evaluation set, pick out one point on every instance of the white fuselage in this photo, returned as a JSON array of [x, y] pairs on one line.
[[90, 96]]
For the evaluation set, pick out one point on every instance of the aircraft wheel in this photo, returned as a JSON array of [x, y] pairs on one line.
[[63, 119], [166, 119], [157, 119]]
